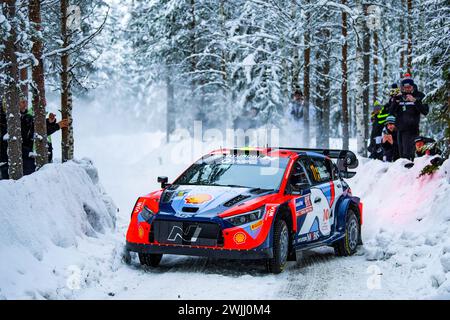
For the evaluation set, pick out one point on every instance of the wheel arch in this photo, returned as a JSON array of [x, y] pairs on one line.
[[285, 213], [346, 203]]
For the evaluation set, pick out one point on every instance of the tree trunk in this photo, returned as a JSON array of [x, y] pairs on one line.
[[402, 40], [375, 65], [306, 80], [326, 97], [295, 54], [67, 141], [366, 78], [15, 162], [318, 101], [24, 83], [410, 45], [223, 64], [344, 87], [359, 101], [39, 102], [170, 105]]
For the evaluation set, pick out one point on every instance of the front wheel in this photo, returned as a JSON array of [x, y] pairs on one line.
[[347, 245], [280, 248], [150, 260]]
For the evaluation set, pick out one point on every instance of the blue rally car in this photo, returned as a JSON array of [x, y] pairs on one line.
[[251, 203]]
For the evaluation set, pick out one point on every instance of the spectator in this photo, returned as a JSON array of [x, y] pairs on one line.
[[296, 106], [389, 141], [407, 108], [378, 120], [426, 146], [27, 128]]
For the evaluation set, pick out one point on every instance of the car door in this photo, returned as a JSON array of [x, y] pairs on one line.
[[323, 195], [306, 215]]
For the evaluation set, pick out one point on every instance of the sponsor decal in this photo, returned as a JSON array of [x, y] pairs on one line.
[[181, 193], [270, 211], [198, 198], [141, 232], [177, 232], [138, 207], [309, 237], [256, 225], [303, 205], [239, 238]]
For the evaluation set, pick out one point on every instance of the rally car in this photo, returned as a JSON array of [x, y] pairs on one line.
[[251, 203]]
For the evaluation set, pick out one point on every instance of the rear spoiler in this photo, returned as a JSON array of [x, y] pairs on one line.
[[345, 159]]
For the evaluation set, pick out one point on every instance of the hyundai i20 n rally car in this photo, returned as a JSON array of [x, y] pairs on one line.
[[261, 203]]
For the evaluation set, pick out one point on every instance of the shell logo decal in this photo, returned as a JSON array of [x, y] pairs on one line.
[[239, 238], [141, 232], [198, 198]]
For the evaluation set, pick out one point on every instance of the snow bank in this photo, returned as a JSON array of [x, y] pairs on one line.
[[407, 221], [43, 219]]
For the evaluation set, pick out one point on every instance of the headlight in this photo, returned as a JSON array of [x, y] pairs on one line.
[[245, 218], [146, 213]]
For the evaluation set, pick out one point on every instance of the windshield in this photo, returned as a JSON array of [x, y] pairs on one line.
[[261, 172]]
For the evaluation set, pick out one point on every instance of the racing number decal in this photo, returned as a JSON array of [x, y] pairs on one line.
[[315, 172], [325, 224]]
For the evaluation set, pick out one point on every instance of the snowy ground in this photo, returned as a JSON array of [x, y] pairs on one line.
[[52, 247]]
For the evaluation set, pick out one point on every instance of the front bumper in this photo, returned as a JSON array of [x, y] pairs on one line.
[[220, 253]]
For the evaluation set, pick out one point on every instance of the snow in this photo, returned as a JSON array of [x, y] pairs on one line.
[[58, 238], [46, 220]]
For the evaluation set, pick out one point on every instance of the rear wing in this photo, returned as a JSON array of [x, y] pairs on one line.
[[345, 159]]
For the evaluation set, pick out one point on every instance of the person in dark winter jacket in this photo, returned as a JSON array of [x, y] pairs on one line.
[[296, 106], [389, 142], [378, 119], [27, 128], [426, 146], [52, 127], [407, 107]]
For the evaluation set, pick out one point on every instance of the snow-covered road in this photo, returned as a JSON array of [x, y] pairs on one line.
[[406, 233], [394, 263]]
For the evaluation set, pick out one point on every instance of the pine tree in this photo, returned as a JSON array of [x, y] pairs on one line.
[[15, 165], [39, 101]]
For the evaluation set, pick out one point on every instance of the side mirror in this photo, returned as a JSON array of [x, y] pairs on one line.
[[163, 181]]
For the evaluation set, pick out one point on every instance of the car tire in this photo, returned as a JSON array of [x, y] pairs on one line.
[[280, 248], [149, 259], [347, 246]]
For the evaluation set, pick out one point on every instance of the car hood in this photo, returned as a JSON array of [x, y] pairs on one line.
[[203, 201]]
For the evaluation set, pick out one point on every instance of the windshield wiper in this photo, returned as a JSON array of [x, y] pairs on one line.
[[260, 190], [235, 186]]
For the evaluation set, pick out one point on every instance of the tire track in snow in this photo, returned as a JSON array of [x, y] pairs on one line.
[[310, 276]]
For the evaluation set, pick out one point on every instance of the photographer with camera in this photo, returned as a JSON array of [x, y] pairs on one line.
[[407, 107]]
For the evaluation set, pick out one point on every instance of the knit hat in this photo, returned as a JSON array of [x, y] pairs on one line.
[[407, 76], [394, 86], [390, 119], [424, 139], [407, 81]]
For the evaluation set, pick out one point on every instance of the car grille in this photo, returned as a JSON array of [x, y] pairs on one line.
[[186, 233]]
